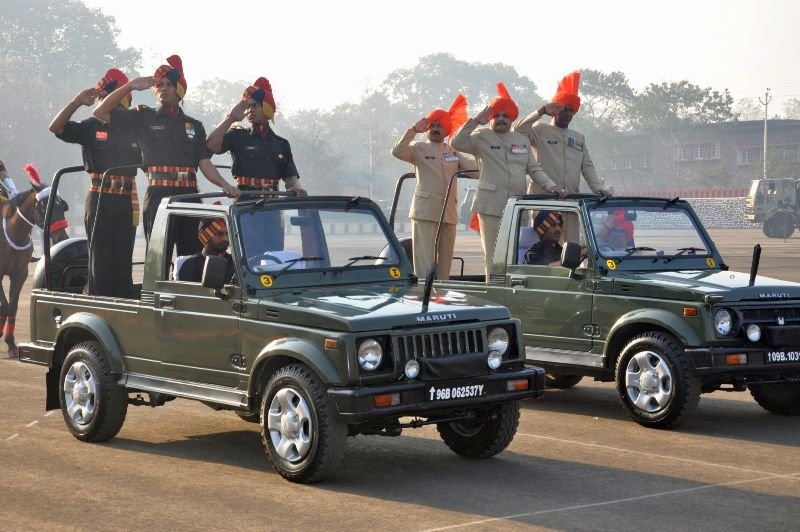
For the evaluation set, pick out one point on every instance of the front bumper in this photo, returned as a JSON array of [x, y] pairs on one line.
[[358, 404], [709, 361]]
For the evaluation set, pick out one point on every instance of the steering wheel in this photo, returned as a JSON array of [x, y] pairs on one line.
[[267, 256]]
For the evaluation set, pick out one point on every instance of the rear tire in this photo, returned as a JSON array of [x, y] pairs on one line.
[[482, 439], [778, 398], [561, 382], [93, 405], [299, 432], [653, 381], [781, 226]]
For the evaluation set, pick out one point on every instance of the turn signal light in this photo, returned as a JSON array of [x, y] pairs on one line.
[[736, 360], [386, 399], [689, 312], [519, 385], [331, 343]]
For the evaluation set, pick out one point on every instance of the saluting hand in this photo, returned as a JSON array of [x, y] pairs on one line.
[[483, 117], [237, 113], [553, 109], [140, 84], [422, 126], [86, 97]]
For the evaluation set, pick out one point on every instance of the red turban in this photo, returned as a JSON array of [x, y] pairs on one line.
[[453, 119], [113, 80], [173, 72], [567, 93], [504, 103], [621, 224], [261, 91]]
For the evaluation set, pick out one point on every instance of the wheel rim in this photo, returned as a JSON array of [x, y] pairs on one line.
[[290, 425], [80, 394], [648, 381]]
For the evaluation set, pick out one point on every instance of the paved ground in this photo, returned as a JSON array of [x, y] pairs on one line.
[[577, 463]]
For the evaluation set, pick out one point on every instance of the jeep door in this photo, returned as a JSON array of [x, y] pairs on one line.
[[555, 309], [197, 331]]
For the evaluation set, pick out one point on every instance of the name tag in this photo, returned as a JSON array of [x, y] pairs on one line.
[[552, 142], [519, 149], [450, 158], [101, 135], [494, 147], [252, 148], [157, 128], [430, 157]]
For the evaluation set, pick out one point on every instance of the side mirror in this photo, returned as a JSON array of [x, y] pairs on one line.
[[214, 272], [571, 255]]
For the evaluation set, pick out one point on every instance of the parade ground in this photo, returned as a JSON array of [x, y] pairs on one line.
[[577, 463]]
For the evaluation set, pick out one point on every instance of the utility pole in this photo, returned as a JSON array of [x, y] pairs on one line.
[[765, 103], [371, 163]]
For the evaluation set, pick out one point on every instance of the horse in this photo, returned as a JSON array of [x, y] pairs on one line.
[[19, 215]]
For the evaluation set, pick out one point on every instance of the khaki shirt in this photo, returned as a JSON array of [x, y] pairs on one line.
[[561, 152], [434, 163], [504, 160]]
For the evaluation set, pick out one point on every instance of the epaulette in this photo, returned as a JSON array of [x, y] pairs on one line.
[[143, 107]]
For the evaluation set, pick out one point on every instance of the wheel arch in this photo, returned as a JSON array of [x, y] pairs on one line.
[[84, 327], [641, 321]]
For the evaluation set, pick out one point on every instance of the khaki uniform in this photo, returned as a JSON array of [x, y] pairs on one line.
[[504, 160], [434, 164], [563, 154]]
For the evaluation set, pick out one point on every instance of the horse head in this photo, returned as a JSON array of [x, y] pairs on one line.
[[58, 223]]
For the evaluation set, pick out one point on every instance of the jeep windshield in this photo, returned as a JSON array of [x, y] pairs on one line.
[[279, 240], [665, 235]]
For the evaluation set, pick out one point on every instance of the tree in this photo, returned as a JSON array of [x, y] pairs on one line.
[[681, 104], [606, 101], [48, 52], [791, 109], [211, 100], [747, 109]]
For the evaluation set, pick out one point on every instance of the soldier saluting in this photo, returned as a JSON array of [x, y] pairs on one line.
[[173, 145], [104, 147]]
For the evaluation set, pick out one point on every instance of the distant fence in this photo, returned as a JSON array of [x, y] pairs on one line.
[[687, 193]]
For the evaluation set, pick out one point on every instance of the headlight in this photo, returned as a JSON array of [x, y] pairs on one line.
[[723, 322], [412, 369], [498, 340], [753, 332], [370, 354]]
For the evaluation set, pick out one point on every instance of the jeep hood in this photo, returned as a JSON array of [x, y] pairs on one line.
[[696, 285], [374, 307]]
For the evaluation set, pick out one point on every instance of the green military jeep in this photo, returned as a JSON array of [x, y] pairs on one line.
[[316, 337], [642, 297]]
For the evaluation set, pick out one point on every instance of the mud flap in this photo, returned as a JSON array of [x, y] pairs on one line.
[[52, 402]]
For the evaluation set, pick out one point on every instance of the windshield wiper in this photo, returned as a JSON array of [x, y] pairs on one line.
[[681, 251], [631, 251], [353, 260], [291, 262]]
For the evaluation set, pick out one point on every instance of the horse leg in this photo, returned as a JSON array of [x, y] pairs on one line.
[[17, 280], [4, 307]]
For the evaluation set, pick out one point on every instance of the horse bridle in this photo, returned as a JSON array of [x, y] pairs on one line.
[[36, 210]]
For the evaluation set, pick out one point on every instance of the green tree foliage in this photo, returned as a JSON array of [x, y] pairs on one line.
[[680, 104], [48, 52], [791, 109], [748, 109], [607, 100], [211, 100]]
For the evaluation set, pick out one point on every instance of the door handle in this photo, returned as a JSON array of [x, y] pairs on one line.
[[517, 281], [166, 302]]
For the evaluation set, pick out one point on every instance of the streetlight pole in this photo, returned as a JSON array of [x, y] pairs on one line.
[[765, 103]]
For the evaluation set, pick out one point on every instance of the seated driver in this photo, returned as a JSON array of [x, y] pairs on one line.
[[616, 231], [213, 235], [547, 251]]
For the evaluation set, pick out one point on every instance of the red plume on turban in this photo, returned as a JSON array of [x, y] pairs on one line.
[[113, 80], [567, 92], [261, 91], [504, 103], [33, 175], [453, 119], [173, 71]]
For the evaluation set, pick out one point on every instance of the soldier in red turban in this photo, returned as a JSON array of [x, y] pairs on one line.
[[434, 162]]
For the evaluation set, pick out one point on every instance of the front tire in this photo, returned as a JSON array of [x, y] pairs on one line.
[[653, 381], [485, 438], [299, 432], [778, 398], [93, 405], [561, 382]]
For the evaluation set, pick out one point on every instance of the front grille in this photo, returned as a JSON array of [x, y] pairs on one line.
[[438, 344], [770, 314]]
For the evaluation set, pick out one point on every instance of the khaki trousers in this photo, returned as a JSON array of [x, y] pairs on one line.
[[423, 236], [490, 226]]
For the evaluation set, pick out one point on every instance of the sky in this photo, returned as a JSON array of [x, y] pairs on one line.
[[320, 54]]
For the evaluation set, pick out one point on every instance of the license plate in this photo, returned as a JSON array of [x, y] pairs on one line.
[[778, 357], [448, 392]]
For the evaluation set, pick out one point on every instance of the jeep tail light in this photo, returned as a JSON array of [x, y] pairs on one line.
[[518, 385]]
